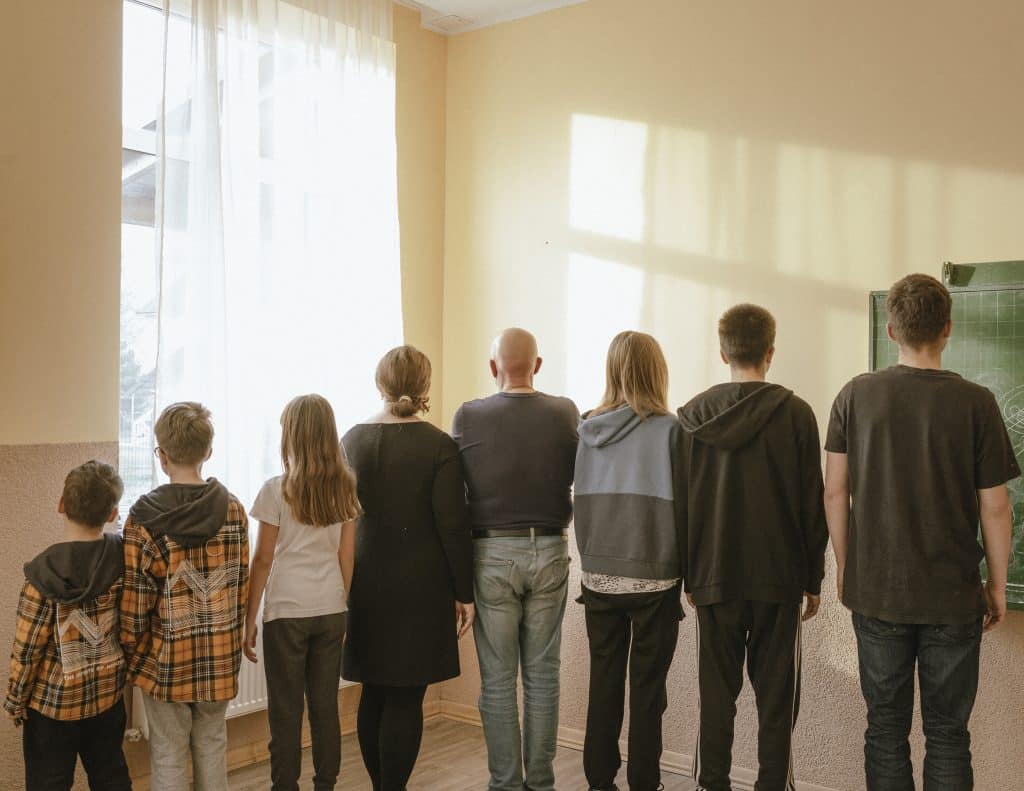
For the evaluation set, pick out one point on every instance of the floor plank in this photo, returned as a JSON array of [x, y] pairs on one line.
[[453, 758]]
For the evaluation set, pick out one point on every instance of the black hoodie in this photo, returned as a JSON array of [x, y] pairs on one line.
[[73, 572], [191, 514], [756, 517]]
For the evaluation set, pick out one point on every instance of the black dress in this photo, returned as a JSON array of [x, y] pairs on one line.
[[414, 555]]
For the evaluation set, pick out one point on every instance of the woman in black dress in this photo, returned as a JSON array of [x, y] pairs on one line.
[[412, 588]]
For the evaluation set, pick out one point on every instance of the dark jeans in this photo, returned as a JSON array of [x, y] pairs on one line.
[[947, 665], [302, 659], [52, 748], [639, 630], [767, 635], [390, 727]]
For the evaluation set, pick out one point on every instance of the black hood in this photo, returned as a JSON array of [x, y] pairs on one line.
[[730, 415], [75, 571], [189, 513]]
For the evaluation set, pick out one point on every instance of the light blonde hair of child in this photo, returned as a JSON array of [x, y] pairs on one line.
[[184, 432], [318, 484], [636, 374]]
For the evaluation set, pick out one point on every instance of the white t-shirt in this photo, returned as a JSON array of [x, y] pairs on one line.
[[305, 579]]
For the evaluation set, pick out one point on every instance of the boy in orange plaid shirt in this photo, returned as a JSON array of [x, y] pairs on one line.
[[67, 670], [183, 610]]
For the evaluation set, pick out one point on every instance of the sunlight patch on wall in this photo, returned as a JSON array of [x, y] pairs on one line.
[[700, 192], [834, 213], [605, 297], [607, 176], [684, 315]]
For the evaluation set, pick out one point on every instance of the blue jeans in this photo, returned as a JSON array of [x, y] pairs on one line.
[[947, 665], [521, 586]]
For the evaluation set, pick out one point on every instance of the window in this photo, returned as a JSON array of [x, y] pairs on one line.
[[141, 88]]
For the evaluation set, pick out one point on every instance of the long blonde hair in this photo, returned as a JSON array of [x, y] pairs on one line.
[[318, 485], [636, 374]]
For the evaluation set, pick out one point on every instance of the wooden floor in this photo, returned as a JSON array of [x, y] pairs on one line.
[[453, 758]]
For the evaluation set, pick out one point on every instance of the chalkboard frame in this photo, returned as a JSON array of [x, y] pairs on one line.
[[1014, 591]]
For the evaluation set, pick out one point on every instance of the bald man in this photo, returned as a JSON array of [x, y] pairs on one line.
[[519, 449]]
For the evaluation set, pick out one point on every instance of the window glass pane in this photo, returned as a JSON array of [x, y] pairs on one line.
[[139, 287]]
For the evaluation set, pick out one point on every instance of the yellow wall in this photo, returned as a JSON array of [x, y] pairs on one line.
[[420, 121], [60, 215], [646, 163]]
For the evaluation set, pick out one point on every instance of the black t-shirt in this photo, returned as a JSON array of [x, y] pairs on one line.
[[920, 444], [519, 454]]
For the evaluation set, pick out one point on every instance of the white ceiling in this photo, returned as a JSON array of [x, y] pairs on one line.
[[461, 16]]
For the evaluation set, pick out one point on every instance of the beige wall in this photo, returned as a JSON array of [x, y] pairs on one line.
[[647, 163], [422, 61], [60, 141], [60, 210]]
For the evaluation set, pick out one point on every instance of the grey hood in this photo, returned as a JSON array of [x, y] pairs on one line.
[[76, 571], [608, 427], [730, 415], [191, 514]]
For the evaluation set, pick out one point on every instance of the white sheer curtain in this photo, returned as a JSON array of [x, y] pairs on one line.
[[277, 215]]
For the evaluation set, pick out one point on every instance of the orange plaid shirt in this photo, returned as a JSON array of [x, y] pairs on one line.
[[66, 662], [183, 611]]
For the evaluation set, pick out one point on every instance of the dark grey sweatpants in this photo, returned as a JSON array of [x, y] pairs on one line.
[[302, 660]]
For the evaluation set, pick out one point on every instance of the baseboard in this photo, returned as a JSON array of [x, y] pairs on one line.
[[572, 738]]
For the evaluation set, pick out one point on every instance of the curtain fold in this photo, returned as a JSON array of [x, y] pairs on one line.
[[277, 215]]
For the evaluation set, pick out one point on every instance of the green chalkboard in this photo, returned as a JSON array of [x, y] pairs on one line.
[[987, 347]]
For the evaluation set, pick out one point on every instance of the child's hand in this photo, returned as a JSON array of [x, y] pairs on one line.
[[811, 608], [249, 647]]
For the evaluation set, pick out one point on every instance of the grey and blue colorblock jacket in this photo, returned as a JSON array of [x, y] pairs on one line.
[[630, 512]]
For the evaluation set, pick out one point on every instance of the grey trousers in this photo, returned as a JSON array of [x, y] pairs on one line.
[[177, 730], [302, 660]]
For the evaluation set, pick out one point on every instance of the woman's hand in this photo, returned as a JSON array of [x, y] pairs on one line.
[[249, 646], [464, 615]]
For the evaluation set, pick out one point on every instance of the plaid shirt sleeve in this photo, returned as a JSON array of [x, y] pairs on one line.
[[140, 591], [32, 633]]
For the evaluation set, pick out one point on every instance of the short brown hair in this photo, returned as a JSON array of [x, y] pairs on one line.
[[746, 334], [403, 378], [91, 492], [184, 432], [636, 374], [919, 308]]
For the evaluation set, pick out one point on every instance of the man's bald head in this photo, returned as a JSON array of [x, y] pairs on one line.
[[514, 358]]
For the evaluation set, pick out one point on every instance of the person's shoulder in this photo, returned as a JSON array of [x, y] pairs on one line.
[[236, 511], [562, 404], [800, 407]]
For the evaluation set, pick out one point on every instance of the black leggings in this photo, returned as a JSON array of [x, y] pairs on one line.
[[390, 729]]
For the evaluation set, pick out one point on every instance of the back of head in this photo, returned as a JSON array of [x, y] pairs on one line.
[[746, 334], [636, 374], [184, 432], [318, 485], [514, 353], [919, 308], [91, 492], [403, 379]]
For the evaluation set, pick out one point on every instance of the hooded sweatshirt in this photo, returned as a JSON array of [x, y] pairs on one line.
[[628, 518], [185, 590], [66, 662], [755, 496]]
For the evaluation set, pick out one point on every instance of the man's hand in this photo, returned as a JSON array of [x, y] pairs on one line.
[[464, 614], [689, 599], [249, 647], [811, 607], [995, 598]]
